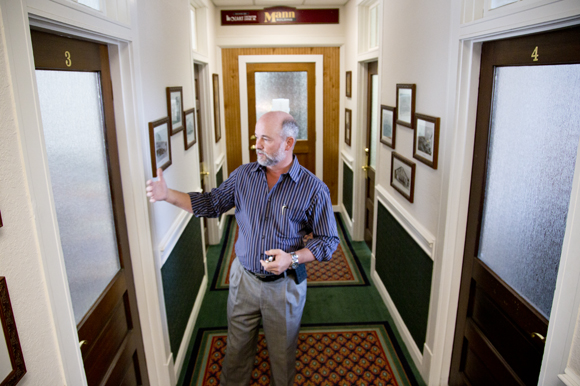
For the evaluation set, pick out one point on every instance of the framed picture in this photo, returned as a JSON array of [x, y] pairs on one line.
[[175, 109], [406, 104], [189, 136], [347, 125], [12, 367], [0, 219], [388, 126], [349, 84], [160, 144], [403, 176], [426, 139], [216, 107]]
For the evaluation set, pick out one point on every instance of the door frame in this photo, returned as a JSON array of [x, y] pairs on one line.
[[243, 60], [123, 48], [567, 293]]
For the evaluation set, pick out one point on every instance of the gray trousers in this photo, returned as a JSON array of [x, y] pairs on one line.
[[279, 304]]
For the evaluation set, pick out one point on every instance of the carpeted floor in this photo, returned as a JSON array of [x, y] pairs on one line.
[[328, 310]]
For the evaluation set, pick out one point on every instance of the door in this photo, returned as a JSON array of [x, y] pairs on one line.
[[286, 87], [76, 102], [526, 143], [371, 149], [202, 161]]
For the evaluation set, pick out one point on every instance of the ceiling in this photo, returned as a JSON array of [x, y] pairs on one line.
[[273, 3]]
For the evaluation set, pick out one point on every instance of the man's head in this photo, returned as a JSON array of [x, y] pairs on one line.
[[276, 134]]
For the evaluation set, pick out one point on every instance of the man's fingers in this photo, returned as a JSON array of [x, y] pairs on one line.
[[160, 174]]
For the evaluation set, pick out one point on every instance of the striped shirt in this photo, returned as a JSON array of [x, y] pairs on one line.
[[297, 205]]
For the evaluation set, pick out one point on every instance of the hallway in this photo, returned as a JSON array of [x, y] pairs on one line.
[[325, 305]]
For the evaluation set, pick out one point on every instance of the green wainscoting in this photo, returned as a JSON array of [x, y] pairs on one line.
[[347, 177], [219, 177], [182, 275], [406, 271]]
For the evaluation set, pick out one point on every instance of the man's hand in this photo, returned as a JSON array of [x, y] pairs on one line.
[[157, 190], [282, 261]]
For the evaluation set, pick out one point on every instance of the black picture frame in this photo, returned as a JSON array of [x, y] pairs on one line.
[[189, 134], [403, 176], [17, 365], [406, 95], [216, 107], [388, 125], [160, 144], [175, 109], [426, 139], [348, 84], [347, 126]]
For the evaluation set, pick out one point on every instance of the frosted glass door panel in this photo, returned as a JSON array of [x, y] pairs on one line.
[[283, 91], [532, 152], [72, 118], [374, 120]]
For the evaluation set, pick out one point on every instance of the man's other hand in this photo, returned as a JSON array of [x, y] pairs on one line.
[[282, 261], [157, 190]]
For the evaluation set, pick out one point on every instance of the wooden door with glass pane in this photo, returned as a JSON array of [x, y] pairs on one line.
[[372, 115], [284, 86], [76, 102], [526, 143]]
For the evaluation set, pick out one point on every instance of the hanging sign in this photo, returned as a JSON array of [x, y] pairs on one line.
[[280, 16]]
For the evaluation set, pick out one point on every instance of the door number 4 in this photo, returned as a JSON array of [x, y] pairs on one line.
[[535, 54]]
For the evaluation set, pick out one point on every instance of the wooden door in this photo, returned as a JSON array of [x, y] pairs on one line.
[[370, 150], [294, 82], [107, 320], [517, 218], [202, 161]]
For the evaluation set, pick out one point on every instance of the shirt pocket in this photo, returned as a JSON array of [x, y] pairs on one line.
[[293, 223]]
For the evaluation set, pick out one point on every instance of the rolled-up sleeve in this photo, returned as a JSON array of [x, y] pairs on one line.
[[216, 202], [325, 234]]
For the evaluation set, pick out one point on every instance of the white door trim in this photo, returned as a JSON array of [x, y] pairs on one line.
[[243, 60]]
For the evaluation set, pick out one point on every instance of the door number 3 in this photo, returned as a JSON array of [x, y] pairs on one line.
[[68, 60], [535, 54]]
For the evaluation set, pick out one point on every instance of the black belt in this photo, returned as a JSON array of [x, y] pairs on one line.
[[266, 278]]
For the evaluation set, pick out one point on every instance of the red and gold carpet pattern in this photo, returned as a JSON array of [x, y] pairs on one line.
[[356, 355], [342, 269]]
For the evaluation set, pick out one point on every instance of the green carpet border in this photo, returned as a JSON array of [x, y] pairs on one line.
[[190, 373], [343, 232]]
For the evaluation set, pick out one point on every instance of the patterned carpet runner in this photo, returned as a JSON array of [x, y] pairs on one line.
[[343, 269], [326, 355]]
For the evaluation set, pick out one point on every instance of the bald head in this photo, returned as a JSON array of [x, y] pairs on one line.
[[281, 121]]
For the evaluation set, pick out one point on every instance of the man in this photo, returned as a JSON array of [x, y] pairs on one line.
[[277, 202]]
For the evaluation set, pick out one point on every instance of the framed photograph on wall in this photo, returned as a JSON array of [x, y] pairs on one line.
[[160, 144], [216, 107], [403, 176], [12, 367], [426, 139], [388, 126], [189, 136], [347, 125], [349, 84], [406, 104], [175, 109]]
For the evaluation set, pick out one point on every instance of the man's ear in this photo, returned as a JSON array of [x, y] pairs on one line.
[[290, 143]]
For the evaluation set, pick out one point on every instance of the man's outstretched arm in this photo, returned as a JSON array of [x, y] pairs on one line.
[[158, 191]]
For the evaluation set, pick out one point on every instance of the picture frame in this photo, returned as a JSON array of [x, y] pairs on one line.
[[216, 107], [426, 139], [160, 144], [388, 125], [175, 109], [406, 104], [12, 367], [403, 176], [348, 84], [347, 126], [1, 220], [190, 132]]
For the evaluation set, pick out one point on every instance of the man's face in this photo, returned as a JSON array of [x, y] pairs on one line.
[[270, 144]]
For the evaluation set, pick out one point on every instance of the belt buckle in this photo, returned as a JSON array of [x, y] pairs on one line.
[[260, 275]]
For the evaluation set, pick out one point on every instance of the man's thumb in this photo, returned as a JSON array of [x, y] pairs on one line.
[[160, 174]]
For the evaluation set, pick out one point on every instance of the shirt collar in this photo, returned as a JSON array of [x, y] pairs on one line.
[[294, 172]]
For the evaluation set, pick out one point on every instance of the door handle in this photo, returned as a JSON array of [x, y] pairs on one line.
[[541, 337], [204, 173], [253, 137], [82, 343], [253, 147]]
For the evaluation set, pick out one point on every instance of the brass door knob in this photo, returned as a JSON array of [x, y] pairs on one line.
[[204, 173], [253, 137], [365, 168], [82, 343], [541, 337], [253, 147]]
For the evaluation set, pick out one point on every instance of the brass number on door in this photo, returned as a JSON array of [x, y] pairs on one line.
[[535, 54], [68, 60]]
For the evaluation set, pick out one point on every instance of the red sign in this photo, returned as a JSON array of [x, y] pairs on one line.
[[280, 16]]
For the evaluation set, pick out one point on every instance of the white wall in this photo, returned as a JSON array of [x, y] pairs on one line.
[[20, 259]]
